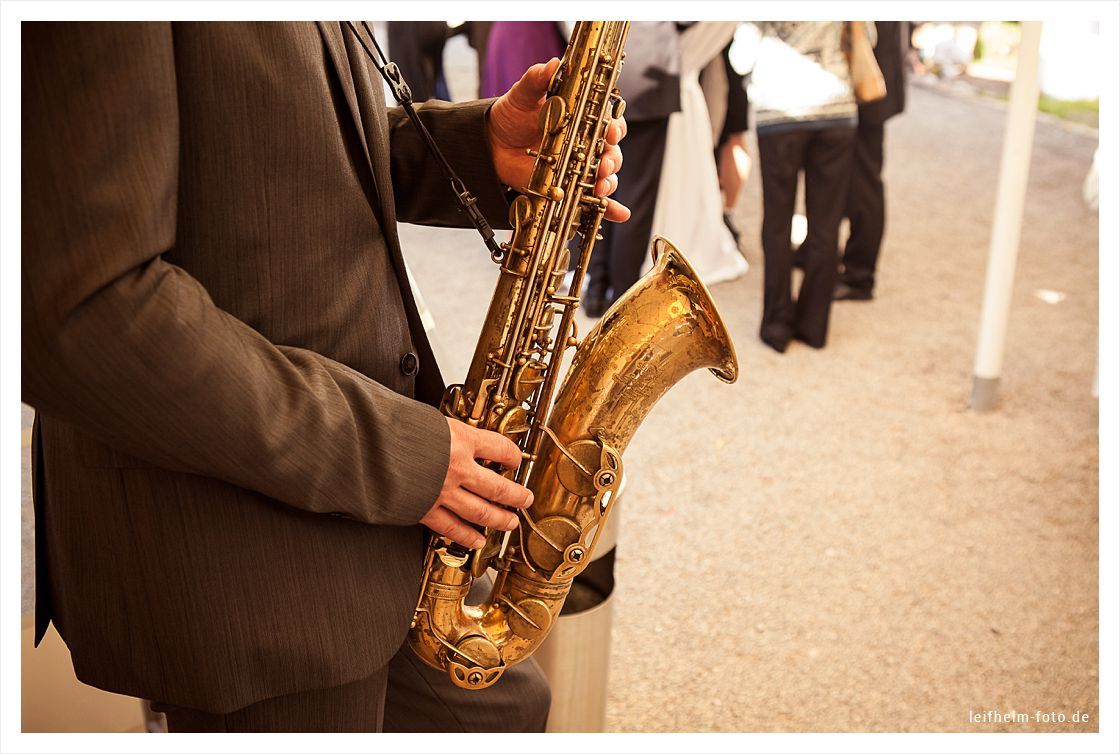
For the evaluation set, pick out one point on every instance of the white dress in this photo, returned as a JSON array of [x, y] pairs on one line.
[[689, 210]]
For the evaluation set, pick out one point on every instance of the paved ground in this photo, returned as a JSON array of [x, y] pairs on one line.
[[836, 542]]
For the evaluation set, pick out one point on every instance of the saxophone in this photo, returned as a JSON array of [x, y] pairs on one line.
[[663, 328]]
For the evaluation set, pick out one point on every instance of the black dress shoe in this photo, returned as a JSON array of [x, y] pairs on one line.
[[779, 341], [817, 343], [778, 345], [845, 292]]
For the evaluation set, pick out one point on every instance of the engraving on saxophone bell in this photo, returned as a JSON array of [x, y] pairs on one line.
[[570, 432]]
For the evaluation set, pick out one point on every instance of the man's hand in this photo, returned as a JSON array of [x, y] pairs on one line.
[[512, 128], [470, 490]]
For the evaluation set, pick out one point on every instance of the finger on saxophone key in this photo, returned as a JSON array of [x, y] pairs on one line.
[[498, 489], [492, 446]]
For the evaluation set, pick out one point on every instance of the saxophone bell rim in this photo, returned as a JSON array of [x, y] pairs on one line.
[[665, 253]]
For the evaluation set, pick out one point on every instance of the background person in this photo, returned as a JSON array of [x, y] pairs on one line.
[[650, 83], [690, 207], [513, 46], [417, 49], [730, 124], [866, 209], [805, 113]]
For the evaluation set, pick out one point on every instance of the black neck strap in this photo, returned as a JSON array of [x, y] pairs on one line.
[[463, 197]]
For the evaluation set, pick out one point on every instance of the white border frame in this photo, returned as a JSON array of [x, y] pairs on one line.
[[11, 13]]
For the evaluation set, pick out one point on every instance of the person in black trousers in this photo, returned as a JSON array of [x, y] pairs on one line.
[[865, 206], [824, 154], [650, 83], [806, 116]]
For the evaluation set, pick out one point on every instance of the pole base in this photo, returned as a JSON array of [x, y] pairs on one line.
[[984, 390]]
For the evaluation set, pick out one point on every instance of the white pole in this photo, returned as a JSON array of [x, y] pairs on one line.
[[1007, 224]]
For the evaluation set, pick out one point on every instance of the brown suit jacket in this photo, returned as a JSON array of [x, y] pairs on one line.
[[216, 337]]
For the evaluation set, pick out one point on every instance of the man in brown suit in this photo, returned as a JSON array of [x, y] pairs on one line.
[[235, 440]]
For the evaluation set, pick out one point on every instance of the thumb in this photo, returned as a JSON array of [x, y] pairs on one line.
[[549, 71], [528, 92]]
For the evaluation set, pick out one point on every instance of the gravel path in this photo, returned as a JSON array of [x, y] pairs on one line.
[[836, 542]]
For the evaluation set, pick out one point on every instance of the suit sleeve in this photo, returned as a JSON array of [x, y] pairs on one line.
[[422, 190], [131, 349]]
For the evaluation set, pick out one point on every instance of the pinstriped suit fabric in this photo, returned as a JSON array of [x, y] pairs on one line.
[[214, 314]]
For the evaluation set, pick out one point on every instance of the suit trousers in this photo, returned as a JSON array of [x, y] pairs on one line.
[[825, 157], [405, 696], [866, 208], [617, 261]]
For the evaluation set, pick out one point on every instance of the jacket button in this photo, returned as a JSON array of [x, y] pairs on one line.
[[410, 365]]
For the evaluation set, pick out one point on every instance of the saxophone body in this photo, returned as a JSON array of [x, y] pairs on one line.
[[572, 438]]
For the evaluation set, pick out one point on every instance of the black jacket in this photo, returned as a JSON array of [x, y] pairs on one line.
[[890, 52], [651, 77]]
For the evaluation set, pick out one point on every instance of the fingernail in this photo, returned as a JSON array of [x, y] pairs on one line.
[[478, 543], [513, 523], [529, 500]]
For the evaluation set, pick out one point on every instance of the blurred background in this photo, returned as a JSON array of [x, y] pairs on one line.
[[889, 530]]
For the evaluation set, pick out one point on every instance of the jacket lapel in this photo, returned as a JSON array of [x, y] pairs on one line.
[[362, 88], [365, 99], [370, 95], [336, 50]]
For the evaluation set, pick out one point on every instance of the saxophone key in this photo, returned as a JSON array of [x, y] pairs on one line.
[[527, 378], [554, 115], [514, 422], [529, 617], [547, 159]]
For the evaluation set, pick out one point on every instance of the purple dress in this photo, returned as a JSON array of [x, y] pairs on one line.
[[512, 47]]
